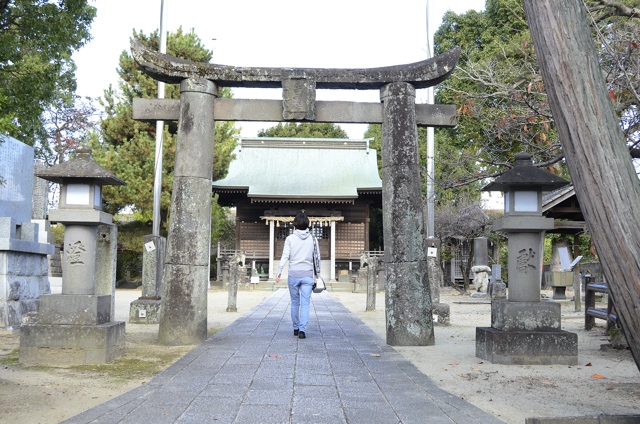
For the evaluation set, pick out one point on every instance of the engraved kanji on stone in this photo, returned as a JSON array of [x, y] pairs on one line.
[[524, 260], [75, 253]]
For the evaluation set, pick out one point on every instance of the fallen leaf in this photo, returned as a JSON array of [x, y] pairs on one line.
[[598, 376], [610, 388], [589, 365]]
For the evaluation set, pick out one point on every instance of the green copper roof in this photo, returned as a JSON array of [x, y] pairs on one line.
[[296, 168]]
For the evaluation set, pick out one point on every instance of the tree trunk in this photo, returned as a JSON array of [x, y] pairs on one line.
[[605, 181]]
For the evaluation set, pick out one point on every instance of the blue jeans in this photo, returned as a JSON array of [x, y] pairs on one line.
[[300, 291]]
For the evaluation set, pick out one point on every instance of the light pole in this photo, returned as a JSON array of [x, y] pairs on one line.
[[157, 180], [430, 137]]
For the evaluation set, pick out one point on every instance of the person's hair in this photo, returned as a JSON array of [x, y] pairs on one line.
[[301, 222]]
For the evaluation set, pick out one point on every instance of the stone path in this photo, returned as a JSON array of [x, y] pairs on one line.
[[256, 371]]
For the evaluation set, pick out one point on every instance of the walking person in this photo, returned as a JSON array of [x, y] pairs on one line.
[[299, 249]]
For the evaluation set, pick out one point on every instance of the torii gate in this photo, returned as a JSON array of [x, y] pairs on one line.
[[184, 301]]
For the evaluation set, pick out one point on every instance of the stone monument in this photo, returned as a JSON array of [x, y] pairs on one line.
[[480, 267], [76, 327], [525, 330], [24, 245], [146, 309]]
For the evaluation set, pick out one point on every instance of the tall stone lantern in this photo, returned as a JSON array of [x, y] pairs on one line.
[[524, 329], [76, 327]]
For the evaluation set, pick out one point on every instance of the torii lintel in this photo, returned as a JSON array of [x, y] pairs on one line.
[[172, 70]]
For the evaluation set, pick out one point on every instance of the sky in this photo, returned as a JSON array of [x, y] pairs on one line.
[[273, 33]]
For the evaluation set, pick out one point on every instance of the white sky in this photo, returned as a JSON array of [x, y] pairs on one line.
[[292, 33]]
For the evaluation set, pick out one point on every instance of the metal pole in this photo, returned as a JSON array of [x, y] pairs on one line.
[[157, 180], [430, 139]]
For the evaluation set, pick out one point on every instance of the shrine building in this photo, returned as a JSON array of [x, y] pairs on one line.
[[334, 181]]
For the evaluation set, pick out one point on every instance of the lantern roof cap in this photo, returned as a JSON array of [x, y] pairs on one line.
[[524, 175], [80, 167]]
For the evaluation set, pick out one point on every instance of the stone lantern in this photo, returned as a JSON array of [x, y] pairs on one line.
[[76, 327], [524, 329]]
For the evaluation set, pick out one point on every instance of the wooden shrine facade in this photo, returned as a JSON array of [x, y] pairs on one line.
[[334, 182]]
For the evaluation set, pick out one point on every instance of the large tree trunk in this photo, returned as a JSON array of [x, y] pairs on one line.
[[604, 178]]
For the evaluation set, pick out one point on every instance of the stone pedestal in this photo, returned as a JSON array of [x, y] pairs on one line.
[[548, 347], [526, 333], [23, 242], [146, 309], [525, 330], [75, 327], [23, 271], [72, 330]]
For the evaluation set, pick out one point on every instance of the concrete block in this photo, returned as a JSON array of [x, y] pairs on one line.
[[75, 309], [80, 217], [527, 347], [27, 231], [525, 316], [145, 311], [7, 227], [46, 344]]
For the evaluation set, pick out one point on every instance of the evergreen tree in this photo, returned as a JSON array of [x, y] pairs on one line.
[[127, 147], [37, 39], [304, 130]]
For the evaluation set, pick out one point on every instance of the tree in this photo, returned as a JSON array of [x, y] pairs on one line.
[[604, 178], [127, 147], [503, 108], [457, 223], [67, 124], [304, 130], [37, 39], [503, 105], [446, 169]]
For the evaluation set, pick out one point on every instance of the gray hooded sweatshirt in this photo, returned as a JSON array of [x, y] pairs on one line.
[[298, 251]]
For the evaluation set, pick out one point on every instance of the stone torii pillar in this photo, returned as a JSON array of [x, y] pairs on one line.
[[183, 319], [184, 311], [408, 298]]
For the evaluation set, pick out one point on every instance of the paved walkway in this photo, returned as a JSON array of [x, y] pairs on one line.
[[256, 371]]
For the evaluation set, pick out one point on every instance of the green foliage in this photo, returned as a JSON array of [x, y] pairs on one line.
[[58, 233], [223, 228], [446, 167], [497, 86], [130, 247], [37, 39], [127, 147], [304, 130]]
